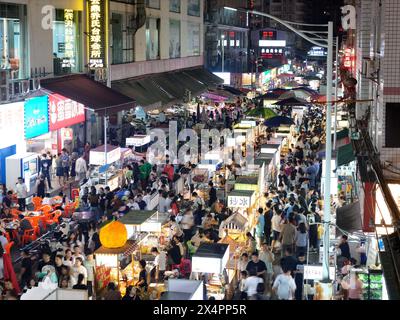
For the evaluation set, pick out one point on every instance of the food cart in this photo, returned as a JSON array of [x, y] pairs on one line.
[[183, 290], [212, 258], [139, 142], [49, 293], [143, 221], [146, 229], [243, 202], [106, 174], [115, 265]]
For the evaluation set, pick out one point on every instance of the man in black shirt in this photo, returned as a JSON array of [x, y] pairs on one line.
[[58, 264], [46, 261], [45, 166], [212, 194], [7, 200], [268, 223], [288, 262], [25, 274], [109, 196], [256, 265], [344, 248]]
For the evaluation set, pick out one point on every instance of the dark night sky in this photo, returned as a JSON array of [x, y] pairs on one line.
[[331, 8]]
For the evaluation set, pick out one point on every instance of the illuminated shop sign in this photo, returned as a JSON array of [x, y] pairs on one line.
[[64, 112], [36, 114], [317, 52], [97, 33], [272, 43], [349, 58], [69, 60]]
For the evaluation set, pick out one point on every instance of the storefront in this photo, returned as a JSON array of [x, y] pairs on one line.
[[66, 127]]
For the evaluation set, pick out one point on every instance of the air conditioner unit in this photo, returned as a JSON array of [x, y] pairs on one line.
[[368, 69]]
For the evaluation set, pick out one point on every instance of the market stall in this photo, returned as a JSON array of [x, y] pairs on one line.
[[139, 142], [243, 202], [138, 222], [212, 258], [107, 168], [183, 290]]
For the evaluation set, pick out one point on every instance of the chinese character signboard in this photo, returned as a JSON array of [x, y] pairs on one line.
[[64, 112], [97, 23], [69, 46], [239, 202], [349, 58], [36, 114]]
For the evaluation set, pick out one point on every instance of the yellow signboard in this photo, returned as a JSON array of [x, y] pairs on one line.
[[97, 12]]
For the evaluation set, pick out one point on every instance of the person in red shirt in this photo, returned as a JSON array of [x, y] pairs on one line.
[[169, 171]]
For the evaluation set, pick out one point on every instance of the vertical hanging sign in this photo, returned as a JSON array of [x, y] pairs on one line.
[[97, 27], [69, 60]]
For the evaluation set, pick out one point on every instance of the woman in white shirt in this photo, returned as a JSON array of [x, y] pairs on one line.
[[242, 263], [76, 270]]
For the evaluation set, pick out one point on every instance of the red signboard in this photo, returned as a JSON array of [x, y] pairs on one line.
[[64, 112]]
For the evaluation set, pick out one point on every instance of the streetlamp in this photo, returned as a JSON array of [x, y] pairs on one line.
[[223, 52], [315, 38]]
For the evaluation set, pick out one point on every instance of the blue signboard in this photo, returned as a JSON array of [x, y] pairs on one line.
[[36, 113]]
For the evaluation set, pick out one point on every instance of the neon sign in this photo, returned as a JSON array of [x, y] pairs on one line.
[[69, 60], [348, 60], [96, 20]]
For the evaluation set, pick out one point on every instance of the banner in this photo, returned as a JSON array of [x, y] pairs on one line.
[[64, 112]]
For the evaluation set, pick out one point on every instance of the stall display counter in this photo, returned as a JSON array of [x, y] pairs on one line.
[[212, 258], [115, 265]]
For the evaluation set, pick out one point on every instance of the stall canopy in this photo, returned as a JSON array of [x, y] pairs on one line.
[[126, 250], [233, 91], [345, 155], [90, 93], [348, 218], [342, 134], [137, 218], [176, 84], [293, 101], [146, 92], [204, 76]]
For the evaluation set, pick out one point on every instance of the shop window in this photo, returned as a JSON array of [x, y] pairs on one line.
[[154, 4], [392, 128], [153, 39], [175, 6], [13, 40], [67, 44], [194, 8], [122, 39], [174, 39]]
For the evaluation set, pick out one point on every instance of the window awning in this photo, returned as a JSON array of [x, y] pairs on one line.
[[147, 93], [348, 218], [204, 76], [176, 83], [90, 93], [345, 155]]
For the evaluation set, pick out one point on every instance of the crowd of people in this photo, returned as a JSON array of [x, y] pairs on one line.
[[287, 220]]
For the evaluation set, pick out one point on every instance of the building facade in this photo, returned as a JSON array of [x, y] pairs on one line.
[[111, 41], [378, 78]]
